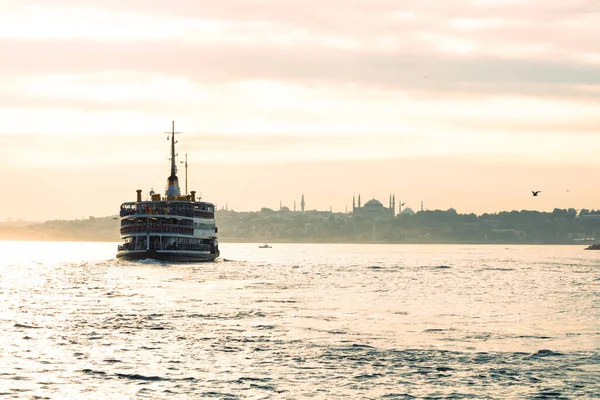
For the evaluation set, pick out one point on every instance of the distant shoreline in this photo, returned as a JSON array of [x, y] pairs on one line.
[[560, 227], [241, 241]]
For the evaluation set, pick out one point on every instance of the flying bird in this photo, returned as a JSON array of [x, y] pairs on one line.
[[535, 193], [114, 217], [402, 204]]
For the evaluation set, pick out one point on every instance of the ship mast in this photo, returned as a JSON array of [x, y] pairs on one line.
[[173, 182], [186, 165], [173, 167]]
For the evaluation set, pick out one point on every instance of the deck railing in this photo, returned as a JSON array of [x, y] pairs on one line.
[[174, 246], [157, 228], [174, 211], [185, 246]]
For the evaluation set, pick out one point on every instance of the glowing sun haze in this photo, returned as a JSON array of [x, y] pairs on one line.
[[468, 104]]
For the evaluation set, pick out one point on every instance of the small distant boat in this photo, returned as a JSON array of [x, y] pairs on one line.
[[264, 246], [593, 247]]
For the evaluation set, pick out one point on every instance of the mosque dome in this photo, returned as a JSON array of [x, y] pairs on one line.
[[373, 204], [408, 211]]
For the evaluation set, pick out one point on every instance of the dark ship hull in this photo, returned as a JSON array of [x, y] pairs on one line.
[[168, 256]]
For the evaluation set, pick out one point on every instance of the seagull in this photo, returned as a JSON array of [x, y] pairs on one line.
[[535, 193], [114, 217], [402, 204]]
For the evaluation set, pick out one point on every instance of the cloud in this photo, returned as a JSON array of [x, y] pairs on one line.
[[43, 151], [445, 73], [142, 103], [522, 47]]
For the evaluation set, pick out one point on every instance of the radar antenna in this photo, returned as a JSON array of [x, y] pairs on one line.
[[186, 167]]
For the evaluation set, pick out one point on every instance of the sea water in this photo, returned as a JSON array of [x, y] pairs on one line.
[[301, 321]]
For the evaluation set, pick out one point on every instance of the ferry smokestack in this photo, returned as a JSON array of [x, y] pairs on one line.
[[139, 195], [193, 193]]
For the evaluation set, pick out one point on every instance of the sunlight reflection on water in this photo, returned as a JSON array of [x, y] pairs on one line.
[[297, 320]]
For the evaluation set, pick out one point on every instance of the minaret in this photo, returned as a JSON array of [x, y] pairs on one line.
[[173, 182], [353, 204], [302, 203], [359, 201], [390, 204], [393, 205], [421, 205], [294, 205], [374, 233]]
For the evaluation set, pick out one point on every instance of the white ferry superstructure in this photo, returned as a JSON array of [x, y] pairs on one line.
[[172, 227]]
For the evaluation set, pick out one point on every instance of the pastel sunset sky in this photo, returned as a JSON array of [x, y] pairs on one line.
[[468, 104]]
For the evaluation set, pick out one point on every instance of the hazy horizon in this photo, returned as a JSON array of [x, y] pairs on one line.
[[471, 104]]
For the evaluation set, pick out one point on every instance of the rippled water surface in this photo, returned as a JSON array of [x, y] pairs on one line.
[[301, 321]]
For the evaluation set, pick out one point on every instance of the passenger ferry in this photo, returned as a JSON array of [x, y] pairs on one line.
[[172, 227]]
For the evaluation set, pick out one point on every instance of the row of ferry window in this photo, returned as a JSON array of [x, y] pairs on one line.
[[157, 228], [154, 221], [164, 209], [154, 226], [212, 241], [203, 226]]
